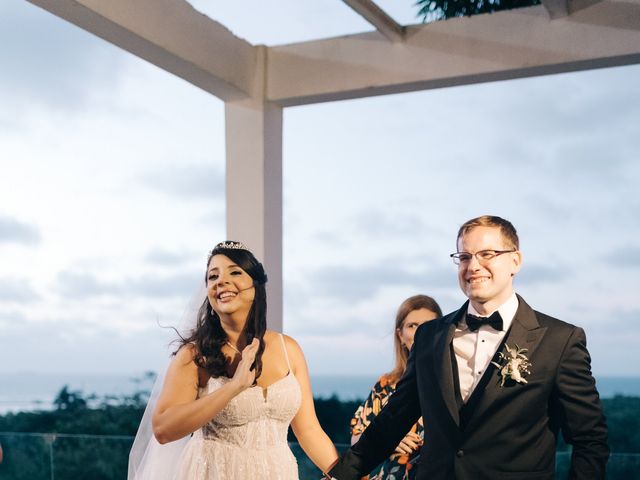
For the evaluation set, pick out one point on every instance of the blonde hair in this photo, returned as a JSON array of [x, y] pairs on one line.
[[507, 229], [402, 352]]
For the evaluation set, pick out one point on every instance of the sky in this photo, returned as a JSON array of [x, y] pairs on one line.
[[112, 192]]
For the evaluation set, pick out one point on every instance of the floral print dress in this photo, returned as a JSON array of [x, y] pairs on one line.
[[398, 466]]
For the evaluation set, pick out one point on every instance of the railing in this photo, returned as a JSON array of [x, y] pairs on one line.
[[58, 456]]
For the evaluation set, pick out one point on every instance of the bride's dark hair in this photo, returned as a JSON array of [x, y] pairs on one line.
[[208, 335]]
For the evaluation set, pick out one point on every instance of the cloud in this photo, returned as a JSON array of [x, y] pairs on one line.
[[586, 139], [82, 285], [625, 319], [85, 285], [373, 222], [590, 100], [74, 345], [330, 239], [348, 283], [10, 318], [14, 231], [593, 162], [541, 274], [199, 182], [166, 258], [613, 324], [46, 61], [17, 290], [180, 285], [388, 229], [625, 257], [347, 325]]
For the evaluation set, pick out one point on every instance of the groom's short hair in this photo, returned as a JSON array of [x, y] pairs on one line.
[[506, 228]]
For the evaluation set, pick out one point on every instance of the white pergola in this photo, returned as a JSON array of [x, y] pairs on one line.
[[257, 82]]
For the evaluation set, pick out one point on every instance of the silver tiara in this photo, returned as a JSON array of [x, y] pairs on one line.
[[231, 245], [228, 245]]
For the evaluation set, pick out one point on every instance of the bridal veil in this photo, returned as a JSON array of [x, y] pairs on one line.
[[149, 459]]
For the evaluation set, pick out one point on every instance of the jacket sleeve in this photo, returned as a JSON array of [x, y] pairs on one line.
[[386, 430], [579, 411]]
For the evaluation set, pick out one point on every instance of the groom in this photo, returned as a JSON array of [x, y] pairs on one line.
[[486, 420]]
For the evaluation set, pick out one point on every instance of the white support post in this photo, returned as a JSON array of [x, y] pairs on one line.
[[254, 189], [254, 182]]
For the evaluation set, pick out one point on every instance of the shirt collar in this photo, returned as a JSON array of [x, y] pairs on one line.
[[507, 311]]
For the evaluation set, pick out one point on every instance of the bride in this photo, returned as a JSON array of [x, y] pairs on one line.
[[234, 387]]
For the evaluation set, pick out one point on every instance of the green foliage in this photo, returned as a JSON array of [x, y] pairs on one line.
[[105, 458], [334, 416], [25, 458], [431, 10], [69, 401], [87, 456], [107, 419], [623, 420], [94, 458], [32, 457]]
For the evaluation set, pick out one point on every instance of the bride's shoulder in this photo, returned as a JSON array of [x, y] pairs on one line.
[[294, 351], [271, 336], [186, 361], [186, 353]]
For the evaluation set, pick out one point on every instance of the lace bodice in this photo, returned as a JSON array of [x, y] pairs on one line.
[[248, 437], [257, 418]]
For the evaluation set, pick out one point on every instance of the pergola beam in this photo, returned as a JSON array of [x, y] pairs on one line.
[[562, 8], [172, 35], [377, 17], [459, 51]]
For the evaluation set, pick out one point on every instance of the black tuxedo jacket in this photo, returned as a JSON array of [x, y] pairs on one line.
[[507, 432]]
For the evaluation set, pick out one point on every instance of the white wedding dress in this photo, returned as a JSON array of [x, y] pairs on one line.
[[248, 438]]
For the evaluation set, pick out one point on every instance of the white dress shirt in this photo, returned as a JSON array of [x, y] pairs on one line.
[[474, 350]]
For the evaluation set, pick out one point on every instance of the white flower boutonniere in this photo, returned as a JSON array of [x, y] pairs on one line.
[[514, 364]]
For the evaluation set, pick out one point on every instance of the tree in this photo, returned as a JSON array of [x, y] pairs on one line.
[[431, 10], [69, 401]]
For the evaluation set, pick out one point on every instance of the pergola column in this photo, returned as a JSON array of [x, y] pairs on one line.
[[254, 189]]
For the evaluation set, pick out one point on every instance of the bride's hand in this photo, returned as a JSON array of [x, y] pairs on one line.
[[245, 376]]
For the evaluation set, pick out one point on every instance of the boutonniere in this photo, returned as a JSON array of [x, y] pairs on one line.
[[513, 364]]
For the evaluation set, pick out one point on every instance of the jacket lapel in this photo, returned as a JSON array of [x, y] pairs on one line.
[[525, 331], [445, 375]]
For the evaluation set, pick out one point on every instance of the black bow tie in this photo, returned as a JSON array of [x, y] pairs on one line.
[[474, 323]]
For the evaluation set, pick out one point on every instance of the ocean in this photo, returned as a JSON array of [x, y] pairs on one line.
[[29, 391]]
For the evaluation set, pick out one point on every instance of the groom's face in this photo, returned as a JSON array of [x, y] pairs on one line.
[[487, 284]]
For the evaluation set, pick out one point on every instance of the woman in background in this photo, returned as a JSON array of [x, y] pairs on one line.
[[412, 313]]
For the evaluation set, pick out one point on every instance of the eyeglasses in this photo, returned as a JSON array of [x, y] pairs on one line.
[[483, 256]]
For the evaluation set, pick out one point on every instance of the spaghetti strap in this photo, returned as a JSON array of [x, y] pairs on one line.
[[286, 355]]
